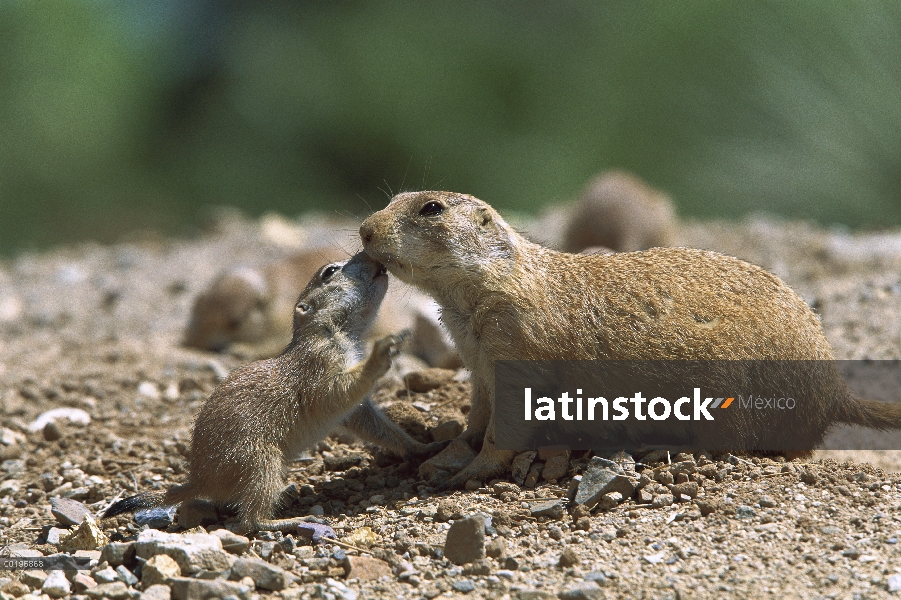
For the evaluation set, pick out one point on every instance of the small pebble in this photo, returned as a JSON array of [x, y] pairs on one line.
[[569, 558], [464, 586]]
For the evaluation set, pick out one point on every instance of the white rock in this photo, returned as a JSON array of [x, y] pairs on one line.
[[8, 437], [171, 392], [158, 569], [149, 389], [56, 585], [75, 415], [9, 487], [107, 575], [192, 552], [157, 592]]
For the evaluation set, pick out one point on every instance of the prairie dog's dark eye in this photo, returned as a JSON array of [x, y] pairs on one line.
[[329, 271], [431, 209]]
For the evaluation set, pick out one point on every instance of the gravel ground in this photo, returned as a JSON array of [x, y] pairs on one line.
[[98, 329]]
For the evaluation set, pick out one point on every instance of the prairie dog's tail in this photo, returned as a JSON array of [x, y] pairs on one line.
[[146, 500], [873, 414]]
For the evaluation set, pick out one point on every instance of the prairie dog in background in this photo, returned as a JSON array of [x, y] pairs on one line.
[[621, 212]]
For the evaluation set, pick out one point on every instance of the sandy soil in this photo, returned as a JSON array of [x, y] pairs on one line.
[[99, 328]]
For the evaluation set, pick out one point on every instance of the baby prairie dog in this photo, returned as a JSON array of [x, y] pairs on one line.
[[266, 413], [621, 212], [252, 306], [505, 298]]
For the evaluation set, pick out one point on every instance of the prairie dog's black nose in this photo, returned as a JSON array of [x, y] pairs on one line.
[[366, 233]]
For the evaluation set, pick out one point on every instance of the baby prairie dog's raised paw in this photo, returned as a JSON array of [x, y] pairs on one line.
[[385, 349]]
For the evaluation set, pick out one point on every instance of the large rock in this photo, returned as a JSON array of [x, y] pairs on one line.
[[366, 568], [547, 508], [689, 488], [264, 575], [315, 533], [232, 542], [82, 582], [156, 592], [465, 541], [114, 591], [10, 487], [555, 467], [186, 588], [56, 585], [118, 553], [156, 518], [68, 512], [193, 552], [521, 465], [599, 480], [33, 579], [107, 575], [587, 590], [87, 536], [158, 569]]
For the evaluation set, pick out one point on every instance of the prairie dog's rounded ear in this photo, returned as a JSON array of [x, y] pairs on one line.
[[301, 308], [483, 217]]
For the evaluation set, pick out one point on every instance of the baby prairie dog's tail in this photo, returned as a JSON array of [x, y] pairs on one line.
[[146, 500], [873, 414]]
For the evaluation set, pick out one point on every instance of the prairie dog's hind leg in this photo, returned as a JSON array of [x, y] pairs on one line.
[[261, 489]]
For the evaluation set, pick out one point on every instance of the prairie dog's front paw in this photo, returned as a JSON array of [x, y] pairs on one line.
[[385, 349]]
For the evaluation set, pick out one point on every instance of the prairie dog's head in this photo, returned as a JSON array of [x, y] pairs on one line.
[[425, 237], [232, 310], [342, 296]]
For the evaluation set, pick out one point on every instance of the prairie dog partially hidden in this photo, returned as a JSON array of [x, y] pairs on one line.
[[505, 298], [250, 308], [266, 413], [621, 212]]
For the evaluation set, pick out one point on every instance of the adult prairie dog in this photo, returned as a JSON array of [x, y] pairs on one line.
[[621, 212], [266, 413], [503, 297]]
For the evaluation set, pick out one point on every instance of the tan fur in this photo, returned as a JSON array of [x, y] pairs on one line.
[[265, 413], [252, 306], [619, 211], [503, 297]]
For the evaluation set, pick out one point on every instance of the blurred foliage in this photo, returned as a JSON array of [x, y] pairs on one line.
[[128, 115]]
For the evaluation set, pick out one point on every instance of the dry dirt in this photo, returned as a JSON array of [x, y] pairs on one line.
[[98, 328]]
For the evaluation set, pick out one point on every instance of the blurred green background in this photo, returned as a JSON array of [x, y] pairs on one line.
[[121, 116]]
